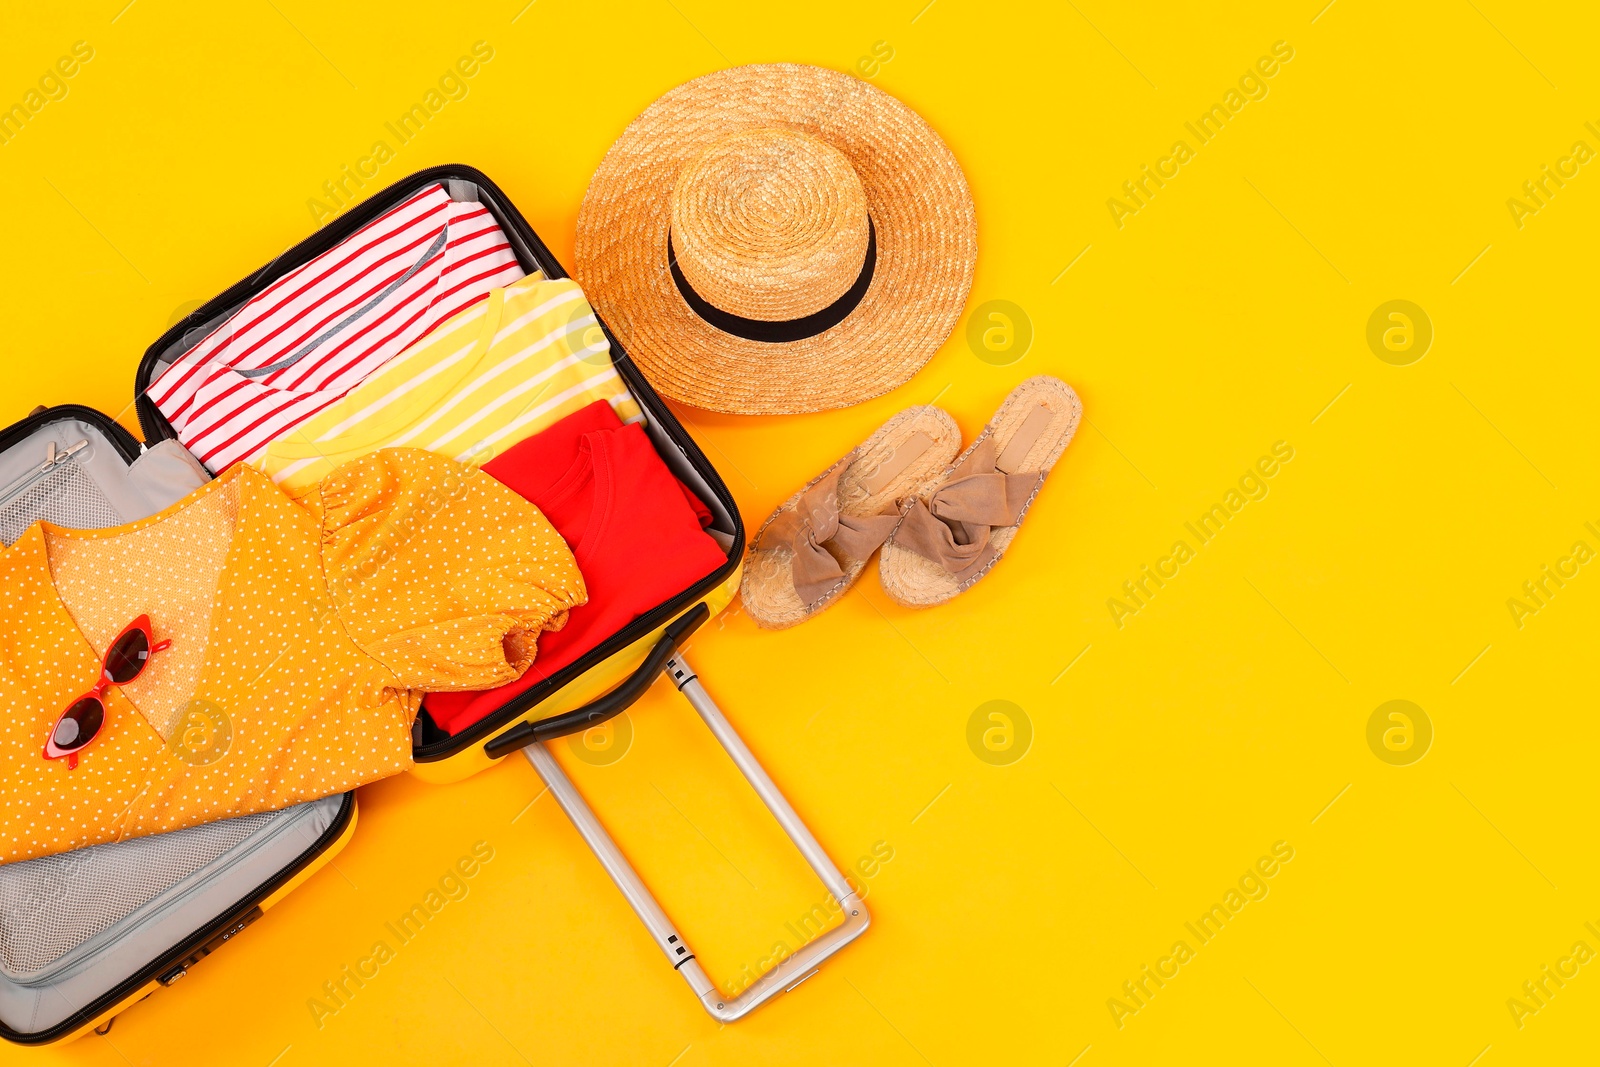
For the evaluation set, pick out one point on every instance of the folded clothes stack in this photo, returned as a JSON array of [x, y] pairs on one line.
[[358, 549]]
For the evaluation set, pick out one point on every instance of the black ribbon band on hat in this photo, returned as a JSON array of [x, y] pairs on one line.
[[784, 329]]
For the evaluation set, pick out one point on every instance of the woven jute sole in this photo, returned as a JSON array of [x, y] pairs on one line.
[[768, 585], [917, 582]]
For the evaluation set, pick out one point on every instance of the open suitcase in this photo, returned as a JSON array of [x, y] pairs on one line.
[[598, 686]]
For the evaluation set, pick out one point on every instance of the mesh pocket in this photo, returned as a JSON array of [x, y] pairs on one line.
[[66, 496], [50, 906]]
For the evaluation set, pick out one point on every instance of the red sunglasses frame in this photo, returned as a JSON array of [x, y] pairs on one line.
[[97, 693]]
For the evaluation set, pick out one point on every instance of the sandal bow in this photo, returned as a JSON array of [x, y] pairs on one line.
[[952, 528], [819, 535]]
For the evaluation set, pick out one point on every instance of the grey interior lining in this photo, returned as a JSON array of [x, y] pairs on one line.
[[64, 494], [167, 471], [75, 925], [103, 465], [121, 950], [53, 906]]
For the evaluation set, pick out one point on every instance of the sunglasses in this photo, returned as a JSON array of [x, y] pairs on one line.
[[84, 717]]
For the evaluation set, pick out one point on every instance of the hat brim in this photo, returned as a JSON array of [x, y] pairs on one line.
[[917, 198]]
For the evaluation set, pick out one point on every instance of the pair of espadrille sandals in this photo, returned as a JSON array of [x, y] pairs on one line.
[[941, 520]]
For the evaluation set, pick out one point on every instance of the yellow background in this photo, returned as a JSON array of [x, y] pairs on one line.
[[1225, 716]]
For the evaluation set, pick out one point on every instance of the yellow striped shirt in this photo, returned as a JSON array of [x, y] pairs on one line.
[[532, 353]]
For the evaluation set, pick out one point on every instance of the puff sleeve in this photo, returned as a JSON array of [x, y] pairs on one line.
[[438, 572]]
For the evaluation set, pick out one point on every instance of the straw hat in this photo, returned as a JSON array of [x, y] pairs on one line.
[[777, 238]]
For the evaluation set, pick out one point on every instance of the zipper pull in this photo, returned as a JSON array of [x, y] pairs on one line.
[[52, 457]]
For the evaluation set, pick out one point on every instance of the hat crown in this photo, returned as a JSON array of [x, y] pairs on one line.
[[770, 224]]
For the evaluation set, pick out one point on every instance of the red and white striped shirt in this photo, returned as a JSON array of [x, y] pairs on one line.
[[317, 332]]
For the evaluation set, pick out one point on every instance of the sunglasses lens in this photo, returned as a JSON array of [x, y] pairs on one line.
[[127, 657], [79, 725]]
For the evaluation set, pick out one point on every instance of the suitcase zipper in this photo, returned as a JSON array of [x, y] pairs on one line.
[[52, 462], [175, 897], [211, 946], [163, 964]]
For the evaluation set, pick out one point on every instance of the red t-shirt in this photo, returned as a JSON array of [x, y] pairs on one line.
[[636, 531]]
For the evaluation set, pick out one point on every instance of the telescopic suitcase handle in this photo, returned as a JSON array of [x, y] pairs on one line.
[[793, 969]]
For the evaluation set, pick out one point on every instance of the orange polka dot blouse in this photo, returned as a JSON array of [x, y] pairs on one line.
[[303, 637]]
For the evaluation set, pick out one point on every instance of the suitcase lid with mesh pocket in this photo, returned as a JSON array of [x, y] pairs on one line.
[[81, 931]]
